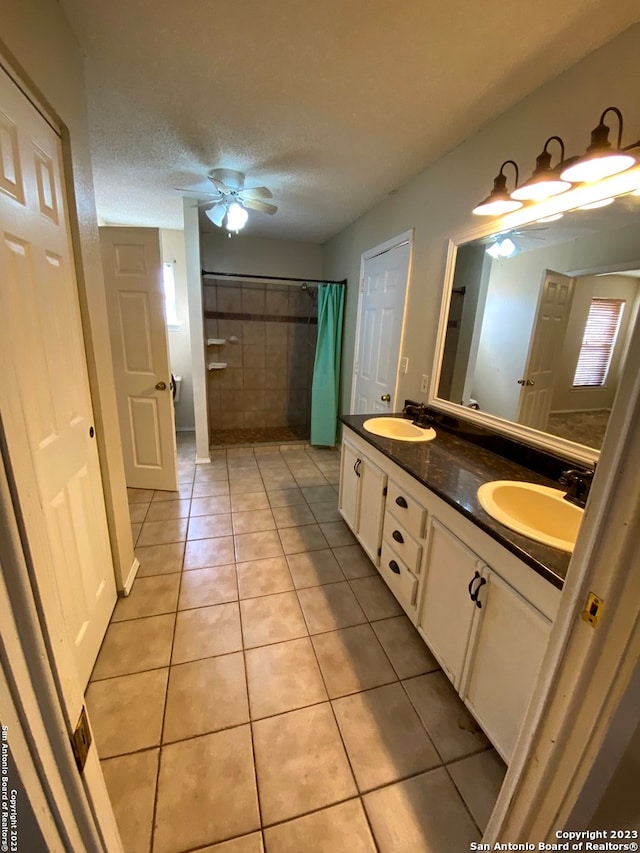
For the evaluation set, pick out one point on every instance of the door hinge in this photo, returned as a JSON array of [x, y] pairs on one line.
[[379, 552], [81, 740], [384, 492], [593, 609]]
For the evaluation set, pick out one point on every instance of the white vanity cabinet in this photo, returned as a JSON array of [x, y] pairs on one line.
[[485, 614], [362, 496]]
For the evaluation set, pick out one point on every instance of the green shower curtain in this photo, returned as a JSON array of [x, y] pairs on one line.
[[325, 386]]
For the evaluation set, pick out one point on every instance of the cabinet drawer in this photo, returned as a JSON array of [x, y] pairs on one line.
[[402, 583], [402, 542], [407, 510]]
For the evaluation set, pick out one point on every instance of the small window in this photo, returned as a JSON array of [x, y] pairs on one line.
[[169, 285], [598, 343]]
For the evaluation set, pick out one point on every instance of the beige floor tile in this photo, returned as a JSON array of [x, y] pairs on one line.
[[211, 506], [206, 696], [204, 587], [135, 532], [257, 546], [375, 598], [300, 762], [244, 485], [197, 803], [135, 646], [271, 619], [479, 779], [247, 844], [214, 472], [249, 502], [183, 493], [131, 783], [339, 828], [384, 737], [354, 562], [337, 534], [159, 532], [138, 512], [314, 568], [420, 815], [160, 559], [136, 496], [293, 516], [200, 553], [263, 577], [253, 521], [326, 511], [405, 648], [210, 488], [149, 597], [285, 497], [163, 510], [316, 494], [351, 660], [306, 538], [126, 712], [309, 480], [209, 526], [451, 727], [329, 607], [279, 481], [206, 632], [282, 677]]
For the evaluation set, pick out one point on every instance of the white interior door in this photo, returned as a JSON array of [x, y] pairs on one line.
[[380, 321], [45, 402], [135, 300], [543, 360]]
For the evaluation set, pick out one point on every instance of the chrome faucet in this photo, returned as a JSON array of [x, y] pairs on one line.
[[579, 483]]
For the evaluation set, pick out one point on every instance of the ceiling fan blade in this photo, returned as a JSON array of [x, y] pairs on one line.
[[255, 192], [205, 205], [196, 192], [217, 214], [262, 206]]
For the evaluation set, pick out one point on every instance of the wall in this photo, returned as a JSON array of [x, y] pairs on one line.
[[37, 41], [438, 203], [173, 251], [260, 255]]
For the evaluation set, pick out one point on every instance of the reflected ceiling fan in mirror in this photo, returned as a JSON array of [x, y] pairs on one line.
[[230, 199]]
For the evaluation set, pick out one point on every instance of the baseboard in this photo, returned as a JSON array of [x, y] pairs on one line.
[[133, 571], [203, 460], [186, 429]]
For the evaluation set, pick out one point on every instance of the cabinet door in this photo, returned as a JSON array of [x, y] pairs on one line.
[[447, 610], [371, 508], [505, 652], [349, 485]]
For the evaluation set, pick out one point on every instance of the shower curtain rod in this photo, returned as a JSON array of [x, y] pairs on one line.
[[276, 277]]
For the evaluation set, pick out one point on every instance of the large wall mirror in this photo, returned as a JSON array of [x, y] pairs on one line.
[[536, 324]]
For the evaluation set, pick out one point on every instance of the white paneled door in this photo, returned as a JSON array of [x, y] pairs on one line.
[[45, 402], [550, 326], [380, 322], [135, 298]]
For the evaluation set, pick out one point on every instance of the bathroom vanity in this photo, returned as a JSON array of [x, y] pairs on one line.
[[482, 598]]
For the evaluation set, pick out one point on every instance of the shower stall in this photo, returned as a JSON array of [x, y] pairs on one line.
[[260, 347]]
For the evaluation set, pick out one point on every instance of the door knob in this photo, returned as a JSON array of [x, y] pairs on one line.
[[385, 398], [526, 382], [161, 386]]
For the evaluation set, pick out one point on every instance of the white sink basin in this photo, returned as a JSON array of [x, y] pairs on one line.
[[398, 428], [539, 512]]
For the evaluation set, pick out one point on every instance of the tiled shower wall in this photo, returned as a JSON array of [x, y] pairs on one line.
[[267, 380]]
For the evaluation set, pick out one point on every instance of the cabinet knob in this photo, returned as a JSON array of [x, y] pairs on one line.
[[402, 502], [398, 536], [394, 567]]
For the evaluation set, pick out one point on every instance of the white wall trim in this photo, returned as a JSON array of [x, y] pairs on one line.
[[128, 583]]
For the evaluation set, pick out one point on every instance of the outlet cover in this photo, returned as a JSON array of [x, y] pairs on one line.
[[424, 385]]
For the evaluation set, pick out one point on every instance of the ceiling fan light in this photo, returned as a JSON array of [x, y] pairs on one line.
[[216, 214], [236, 217]]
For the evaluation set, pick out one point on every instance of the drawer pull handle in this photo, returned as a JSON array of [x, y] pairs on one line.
[[356, 467], [398, 536], [477, 600], [394, 567], [402, 502], [472, 594]]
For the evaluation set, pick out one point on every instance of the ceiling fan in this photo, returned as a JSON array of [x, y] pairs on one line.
[[230, 199]]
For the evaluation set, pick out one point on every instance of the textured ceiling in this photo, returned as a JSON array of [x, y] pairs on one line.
[[332, 104]]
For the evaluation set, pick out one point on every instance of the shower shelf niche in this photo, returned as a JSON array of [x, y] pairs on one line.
[[216, 342], [217, 365]]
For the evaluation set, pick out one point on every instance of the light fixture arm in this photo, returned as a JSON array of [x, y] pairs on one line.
[[557, 139], [501, 174], [600, 134]]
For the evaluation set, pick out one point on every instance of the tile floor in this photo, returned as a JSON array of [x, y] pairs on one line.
[[260, 688]]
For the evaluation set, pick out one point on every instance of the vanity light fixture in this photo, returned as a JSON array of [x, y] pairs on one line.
[[499, 201], [595, 204], [600, 160], [545, 181]]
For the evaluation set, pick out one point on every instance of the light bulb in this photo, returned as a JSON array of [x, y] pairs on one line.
[[594, 168], [236, 217]]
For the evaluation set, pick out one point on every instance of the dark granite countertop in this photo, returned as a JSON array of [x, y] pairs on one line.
[[453, 468]]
